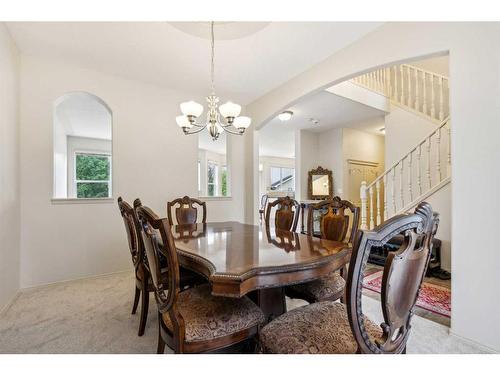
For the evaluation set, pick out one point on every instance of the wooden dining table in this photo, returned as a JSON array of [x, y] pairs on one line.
[[242, 259]]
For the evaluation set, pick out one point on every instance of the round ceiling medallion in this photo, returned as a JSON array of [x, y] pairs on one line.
[[223, 30]]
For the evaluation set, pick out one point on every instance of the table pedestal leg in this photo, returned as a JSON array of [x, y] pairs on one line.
[[271, 301]]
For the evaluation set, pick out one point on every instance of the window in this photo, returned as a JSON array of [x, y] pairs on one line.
[[282, 179], [212, 179], [214, 169], [82, 147], [92, 175]]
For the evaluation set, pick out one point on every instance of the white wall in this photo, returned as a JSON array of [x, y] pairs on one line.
[[9, 168], [475, 113], [153, 160], [330, 157], [306, 152]]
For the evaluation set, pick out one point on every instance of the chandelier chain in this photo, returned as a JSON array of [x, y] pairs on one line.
[[212, 70]]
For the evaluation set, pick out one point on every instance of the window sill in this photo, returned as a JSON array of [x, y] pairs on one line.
[[82, 200], [216, 198]]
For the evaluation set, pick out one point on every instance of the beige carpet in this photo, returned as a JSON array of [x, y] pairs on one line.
[[93, 316]]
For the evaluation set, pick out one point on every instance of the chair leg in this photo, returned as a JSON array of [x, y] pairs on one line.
[[144, 311], [161, 344], [404, 351], [136, 300]]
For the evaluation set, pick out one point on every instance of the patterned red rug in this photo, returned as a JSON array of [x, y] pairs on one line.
[[434, 298]]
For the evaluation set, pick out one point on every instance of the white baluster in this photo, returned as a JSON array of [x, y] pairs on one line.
[[424, 89], [394, 209], [417, 99], [362, 194], [401, 191], [379, 218], [441, 94], [408, 73], [433, 98], [448, 167], [388, 88], [372, 222], [386, 211], [419, 168], [438, 154], [394, 83], [402, 97], [410, 157], [428, 171]]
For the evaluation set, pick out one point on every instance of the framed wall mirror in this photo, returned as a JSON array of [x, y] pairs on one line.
[[320, 184]]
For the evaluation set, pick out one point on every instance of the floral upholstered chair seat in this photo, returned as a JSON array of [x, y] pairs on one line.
[[330, 287], [321, 328], [208, 317]]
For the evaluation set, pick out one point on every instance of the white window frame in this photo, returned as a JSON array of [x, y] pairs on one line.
[[281, 167], [99, 154], [216, 179]]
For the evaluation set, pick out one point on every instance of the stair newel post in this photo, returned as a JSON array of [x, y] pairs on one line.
[[402, 97], [377, 188], [438, 154], [394, 208], [428, 169], [372, 223], [417, 100], [419, 169], [441, 102], [433, 98], [408, 77], [401, 190], [362, 194], [424, 90], [386, 212], [410, 190]]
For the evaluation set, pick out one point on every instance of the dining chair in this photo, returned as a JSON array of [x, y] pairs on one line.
[[334, 327], [192, 320], [334, 225], [263, 204], [143, 285], [186, 212], [286, 213]]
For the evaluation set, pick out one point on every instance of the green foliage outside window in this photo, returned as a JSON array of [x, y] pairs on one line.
[[92, 176], [224, 182]]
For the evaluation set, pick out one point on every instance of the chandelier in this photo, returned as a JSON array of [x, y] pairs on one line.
[[225, 117]]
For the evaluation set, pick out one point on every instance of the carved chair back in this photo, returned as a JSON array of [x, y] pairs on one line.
[[132, 229], [286, 213], [158, 240], [334, 223], [186, 212], [402, 277]]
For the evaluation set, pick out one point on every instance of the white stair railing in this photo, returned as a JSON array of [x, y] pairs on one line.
[[411, 87], [394, 191]]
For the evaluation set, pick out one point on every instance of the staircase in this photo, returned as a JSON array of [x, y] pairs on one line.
[[426, 168], [415, 89]]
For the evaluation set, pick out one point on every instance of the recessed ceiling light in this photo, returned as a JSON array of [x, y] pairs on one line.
[[285, 116], [382, 130], [314, 121]]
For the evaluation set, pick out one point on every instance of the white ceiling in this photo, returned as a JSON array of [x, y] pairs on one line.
[[82, 115], [263, 55]]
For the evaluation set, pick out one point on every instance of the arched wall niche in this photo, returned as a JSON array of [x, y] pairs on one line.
[[82, 146]]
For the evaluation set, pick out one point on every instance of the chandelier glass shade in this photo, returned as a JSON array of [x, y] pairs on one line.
[[219, 118]]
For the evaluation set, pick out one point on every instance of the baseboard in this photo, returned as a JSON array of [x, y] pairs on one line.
[[475, 343], [10, 302], [34, 287]]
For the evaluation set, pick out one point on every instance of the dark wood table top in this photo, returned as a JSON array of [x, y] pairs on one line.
[[238, 258]]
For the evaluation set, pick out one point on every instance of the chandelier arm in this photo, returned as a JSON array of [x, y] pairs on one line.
[[232, 131], [200, 128]]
